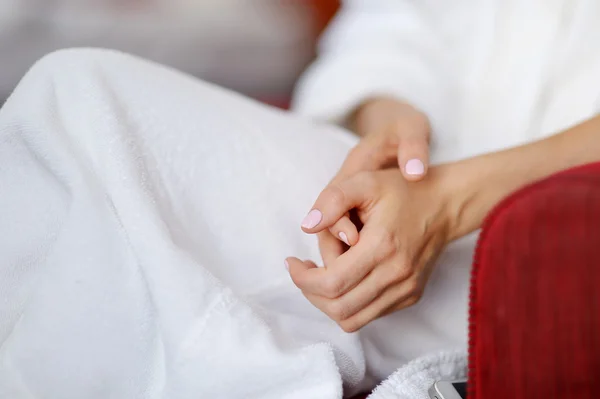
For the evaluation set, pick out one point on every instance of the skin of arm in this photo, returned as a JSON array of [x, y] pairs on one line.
[[477, 184]]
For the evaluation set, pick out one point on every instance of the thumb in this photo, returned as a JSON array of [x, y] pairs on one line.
[[372, 153], [413, 156], [336, 200]]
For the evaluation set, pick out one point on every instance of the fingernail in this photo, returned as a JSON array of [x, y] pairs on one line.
[[312, 219], [287, 265], [414, 167], [344, 238]]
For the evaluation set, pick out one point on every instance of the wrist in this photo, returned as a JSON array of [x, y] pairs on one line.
[[456, 195], [476, 185], [381, 113], [468, 199], [472, 187]]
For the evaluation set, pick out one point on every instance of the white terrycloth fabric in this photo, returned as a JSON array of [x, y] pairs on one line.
[[413, 380], [489, 73], [145, 216]]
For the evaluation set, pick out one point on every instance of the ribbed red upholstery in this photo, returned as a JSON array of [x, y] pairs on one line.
[[535, 295]]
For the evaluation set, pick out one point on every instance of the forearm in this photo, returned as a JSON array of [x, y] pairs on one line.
[[482, 182]]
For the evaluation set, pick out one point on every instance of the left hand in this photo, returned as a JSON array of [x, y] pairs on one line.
[[406, 226], [393, 133]]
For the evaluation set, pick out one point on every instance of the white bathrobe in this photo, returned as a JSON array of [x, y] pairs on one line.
[[145, 216]]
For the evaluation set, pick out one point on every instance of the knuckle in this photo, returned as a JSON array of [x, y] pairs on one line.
[[380, 285], [357, 152], [401, 272], [386, 242], [368, 181], [337, 311], [333, 287], [416, 145], [413, 288], [363, 156], [399, 127], [335, 195], [422, 123], [414, 129], [413, 300], [419, 122], [349, 326]]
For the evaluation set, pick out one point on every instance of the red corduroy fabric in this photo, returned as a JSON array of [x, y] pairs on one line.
[[535, 293]]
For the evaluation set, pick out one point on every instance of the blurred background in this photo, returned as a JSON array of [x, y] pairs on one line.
[[257, 47]]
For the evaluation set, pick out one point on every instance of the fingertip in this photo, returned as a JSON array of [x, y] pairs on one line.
[[311, 221], [350, 236], [289, 264], [295, 264], [345, 230], [299, 270], [413, 178], [344, 238], [414, 168]]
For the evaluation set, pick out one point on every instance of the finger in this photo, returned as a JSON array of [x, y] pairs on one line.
[[336, 200], [413, 154], [393, 299], [344, 273], [369, 289], [370, 154], [345, 231], [297, 267], [330, 247]]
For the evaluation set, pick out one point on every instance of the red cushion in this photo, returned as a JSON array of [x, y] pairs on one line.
[[535, 302]]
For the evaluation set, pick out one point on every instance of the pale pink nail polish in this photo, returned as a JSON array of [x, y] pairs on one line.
[[415, 167], [313, 218], [344, 237], [287, 265]]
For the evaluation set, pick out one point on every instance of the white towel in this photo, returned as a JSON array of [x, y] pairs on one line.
[[145, 217]]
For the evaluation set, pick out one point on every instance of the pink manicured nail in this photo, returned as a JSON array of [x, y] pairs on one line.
[[344, 238], [415, 167], [287, 265], [313, 218]]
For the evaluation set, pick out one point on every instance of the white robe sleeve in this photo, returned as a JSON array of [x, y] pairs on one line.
[[379, 47]]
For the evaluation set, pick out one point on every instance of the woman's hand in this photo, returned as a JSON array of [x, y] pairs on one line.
[[393, 133], [406, 225]]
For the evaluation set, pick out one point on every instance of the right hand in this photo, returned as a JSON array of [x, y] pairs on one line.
[[393, 133], [406, 226]]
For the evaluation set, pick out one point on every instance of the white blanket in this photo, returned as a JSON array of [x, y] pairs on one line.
[[144, 220]]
